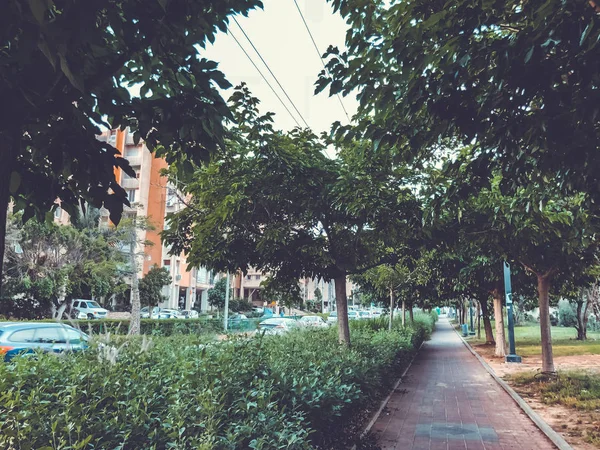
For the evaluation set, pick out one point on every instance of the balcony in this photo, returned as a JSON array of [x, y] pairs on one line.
[[134, 160], [130, 183]]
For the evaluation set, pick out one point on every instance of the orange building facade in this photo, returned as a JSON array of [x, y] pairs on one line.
[[152, 196]]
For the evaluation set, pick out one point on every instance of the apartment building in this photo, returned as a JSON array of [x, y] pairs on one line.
[[152, 196]]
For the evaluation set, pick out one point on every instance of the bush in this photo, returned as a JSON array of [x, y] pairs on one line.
[[154, 327], [295, 391], [566, 314]]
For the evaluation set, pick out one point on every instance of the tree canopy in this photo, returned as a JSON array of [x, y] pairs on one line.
[[275, 202], [68, 68]]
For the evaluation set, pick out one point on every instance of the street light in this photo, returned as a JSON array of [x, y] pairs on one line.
[[226, 312], [512, 356]]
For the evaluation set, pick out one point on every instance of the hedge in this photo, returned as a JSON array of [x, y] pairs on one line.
[[296, 391]]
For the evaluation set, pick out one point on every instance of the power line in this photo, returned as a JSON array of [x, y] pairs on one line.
[[271, 72], [320, 55], [264, 78]]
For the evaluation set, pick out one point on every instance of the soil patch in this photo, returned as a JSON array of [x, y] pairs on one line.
[[572, 424]]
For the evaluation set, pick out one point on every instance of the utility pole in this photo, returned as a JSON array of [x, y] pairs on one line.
[[226, 311], [512, 356]]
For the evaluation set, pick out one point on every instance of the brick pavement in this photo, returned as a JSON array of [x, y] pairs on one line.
[[448, 401]]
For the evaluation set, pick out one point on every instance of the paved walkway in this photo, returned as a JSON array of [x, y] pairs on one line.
[[449, 401]]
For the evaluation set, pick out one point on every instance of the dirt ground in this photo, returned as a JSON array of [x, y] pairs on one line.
[[570, 423]]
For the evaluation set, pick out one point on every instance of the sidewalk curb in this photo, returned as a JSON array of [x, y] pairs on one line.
[[387, 399], [556, 438]]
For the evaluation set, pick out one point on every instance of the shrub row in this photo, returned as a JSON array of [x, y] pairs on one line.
[[296, 391]]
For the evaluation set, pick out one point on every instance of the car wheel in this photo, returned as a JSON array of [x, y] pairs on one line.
[[90, 316]]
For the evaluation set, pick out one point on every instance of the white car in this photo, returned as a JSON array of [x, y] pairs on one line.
[[376, 313], [353, 315], [189, 314], [168, 314], [312, 321], [364, 315], [279, 325], [88, 309], [145, 312], [332, 318]]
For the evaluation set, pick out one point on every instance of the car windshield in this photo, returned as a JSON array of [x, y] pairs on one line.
[[333, 314], [93, 305]]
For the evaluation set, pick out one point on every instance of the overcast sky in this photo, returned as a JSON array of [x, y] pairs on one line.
[[280, 36]]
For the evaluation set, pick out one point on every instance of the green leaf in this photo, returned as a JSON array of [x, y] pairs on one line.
[[75, 80], [586, 32], [15, 182], [529, 54], [38, 9]]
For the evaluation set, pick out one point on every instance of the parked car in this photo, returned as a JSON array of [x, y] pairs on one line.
[[236, 321], [332, 318], [279, 325], [165, 313], [376, 313], [353, 315], [312, 321], [189, 314], [18, 338], [364, 315], [88, 309]]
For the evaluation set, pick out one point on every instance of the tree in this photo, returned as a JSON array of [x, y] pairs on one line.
[[151, 286], [51, 263], [319, 299], [276, 203], [216, 294], [66, 68], [518, 81], [551, 239], [285, 292]]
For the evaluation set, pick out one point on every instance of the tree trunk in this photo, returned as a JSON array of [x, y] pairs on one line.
[[341, 302], [8, 157], [487, 324], [499, 316], [135, 322], [403, 313], [582, 316], [544, 305], [391, 310], [411, 314], [478, 321]]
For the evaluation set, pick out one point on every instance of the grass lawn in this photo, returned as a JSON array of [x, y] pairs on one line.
[[527, 339]]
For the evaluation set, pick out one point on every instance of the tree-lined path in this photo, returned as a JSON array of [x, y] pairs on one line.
[[449, 401]]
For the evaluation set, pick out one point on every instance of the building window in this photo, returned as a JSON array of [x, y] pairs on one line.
[[57, 212], [257, 277], [248, 277], [131, 195], [132, 152]]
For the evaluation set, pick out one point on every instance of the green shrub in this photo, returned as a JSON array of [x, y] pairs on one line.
[[295, 391], [154, 327]]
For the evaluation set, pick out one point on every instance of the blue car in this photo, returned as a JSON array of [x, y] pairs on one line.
[[17, 338]]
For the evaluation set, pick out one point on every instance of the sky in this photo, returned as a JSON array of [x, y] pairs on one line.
[[280, 36]]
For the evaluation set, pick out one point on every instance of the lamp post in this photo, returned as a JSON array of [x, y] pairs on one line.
[[226, 311], [512, 356], [472, 330]]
